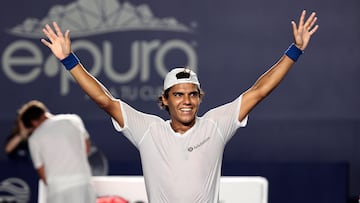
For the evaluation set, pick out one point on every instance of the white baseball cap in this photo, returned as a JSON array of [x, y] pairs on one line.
[[180, 75]]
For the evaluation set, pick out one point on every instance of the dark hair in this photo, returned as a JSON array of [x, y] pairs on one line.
[[166, 95], [31, 111]]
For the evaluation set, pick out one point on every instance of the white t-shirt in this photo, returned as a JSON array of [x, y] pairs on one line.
[[182, 168], [58, 144]]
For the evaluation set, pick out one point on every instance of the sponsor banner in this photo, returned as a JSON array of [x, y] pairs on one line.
[[132, 189], [130, 45], [126, 45], [18, 182]]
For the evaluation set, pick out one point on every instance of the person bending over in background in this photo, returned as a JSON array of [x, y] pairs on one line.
[[59, 145], [181, 157]]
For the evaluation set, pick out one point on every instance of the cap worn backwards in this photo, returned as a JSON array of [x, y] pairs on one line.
[[180, 75]]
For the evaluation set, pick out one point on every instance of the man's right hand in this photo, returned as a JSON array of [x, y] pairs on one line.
[[59, 43]]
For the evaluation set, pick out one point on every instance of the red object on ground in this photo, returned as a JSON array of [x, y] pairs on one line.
[[111, 199]]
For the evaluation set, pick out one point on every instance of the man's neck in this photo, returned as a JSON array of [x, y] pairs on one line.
[[181, 127]]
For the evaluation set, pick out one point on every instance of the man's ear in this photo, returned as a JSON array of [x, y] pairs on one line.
[[164, 100], [35, 123]]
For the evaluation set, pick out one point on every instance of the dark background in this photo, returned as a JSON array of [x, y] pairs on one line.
[[304, 138]]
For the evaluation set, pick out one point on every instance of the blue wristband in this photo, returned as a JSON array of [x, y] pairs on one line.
[[70, 61], [293, 52]]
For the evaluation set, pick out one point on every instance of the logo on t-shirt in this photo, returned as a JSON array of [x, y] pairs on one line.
[[192, 148]]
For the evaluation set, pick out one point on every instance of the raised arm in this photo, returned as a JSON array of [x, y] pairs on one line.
[[60, 45], [272, 78], [18, 135]]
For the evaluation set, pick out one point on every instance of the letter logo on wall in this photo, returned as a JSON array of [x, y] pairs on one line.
[[14, 190], [95, 19]]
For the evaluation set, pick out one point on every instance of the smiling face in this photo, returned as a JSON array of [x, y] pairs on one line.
[[183, 103]]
